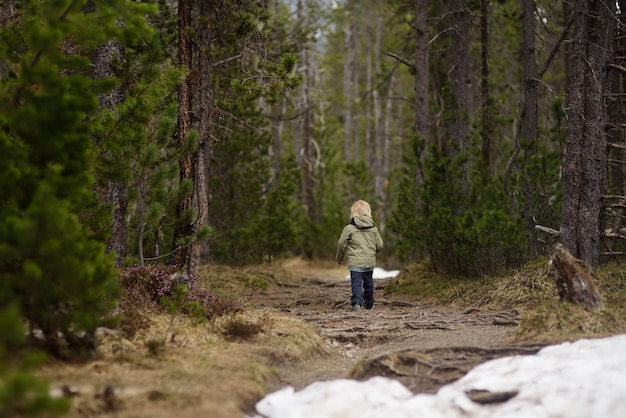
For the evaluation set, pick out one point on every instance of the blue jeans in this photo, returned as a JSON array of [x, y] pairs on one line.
[[362, 288]]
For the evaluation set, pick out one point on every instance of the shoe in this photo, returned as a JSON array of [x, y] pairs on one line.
[[356, 307]]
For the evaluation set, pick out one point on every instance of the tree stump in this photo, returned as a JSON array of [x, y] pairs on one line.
[[574, 282]]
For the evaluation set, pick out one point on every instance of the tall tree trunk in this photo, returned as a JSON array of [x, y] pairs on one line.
[[306, 164], [377, 143], [484, 84], [386, 160], [585, 165], [421, 69], [529, 136], [115, 190], [348, 70], [206, 110], [278, 126], [616, 135], [421, 80], [459, 57], [187, 172]]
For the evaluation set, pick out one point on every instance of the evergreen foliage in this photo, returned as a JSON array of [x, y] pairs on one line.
[[278, 218], [404, 219], [21, 393], [251, 209], [51, 264], [253, 215], [464, 232]]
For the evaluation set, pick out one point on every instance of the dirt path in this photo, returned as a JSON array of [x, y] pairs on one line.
[[421, 345]]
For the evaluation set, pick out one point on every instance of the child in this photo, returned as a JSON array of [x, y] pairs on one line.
[[359, 242]]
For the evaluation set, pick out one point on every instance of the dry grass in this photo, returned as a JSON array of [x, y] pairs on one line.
[[186, 368], [531, 290], [553, 322]]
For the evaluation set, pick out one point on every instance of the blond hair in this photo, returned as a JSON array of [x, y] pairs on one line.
[[360, 207]]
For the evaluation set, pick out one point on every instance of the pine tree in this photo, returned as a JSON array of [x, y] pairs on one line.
[[51, 264]]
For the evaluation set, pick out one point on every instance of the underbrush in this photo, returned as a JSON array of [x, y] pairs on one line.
[[531, 290], [218, 291], [175, 353]]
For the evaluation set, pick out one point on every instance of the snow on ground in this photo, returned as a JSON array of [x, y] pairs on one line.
[[586, 378], [380, 273]]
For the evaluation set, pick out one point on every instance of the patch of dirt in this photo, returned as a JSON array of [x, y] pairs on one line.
[[422, 345]]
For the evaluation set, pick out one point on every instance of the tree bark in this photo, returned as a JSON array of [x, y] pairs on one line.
[[574, 283], [306, 165], [458, 54], [585, 168], [378, 138], [115, 193], [616, 134], [529, 121], [185, 163], [484, 84], [348, 69], [421, 69]]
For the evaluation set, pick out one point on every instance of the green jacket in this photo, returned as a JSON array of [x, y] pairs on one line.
[[359, 242]]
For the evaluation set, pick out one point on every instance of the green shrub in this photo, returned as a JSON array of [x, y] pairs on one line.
[[21, 393]]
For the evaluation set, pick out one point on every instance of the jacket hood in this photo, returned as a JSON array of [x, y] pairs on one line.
[[363, 222]]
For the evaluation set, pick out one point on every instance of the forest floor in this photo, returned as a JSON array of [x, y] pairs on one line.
[[420, 344], [307, 334]]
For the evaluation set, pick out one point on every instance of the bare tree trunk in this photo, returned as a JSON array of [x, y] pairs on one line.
[[115, 191], [367, 134], [377, 143], [585, 168], [459, 57], [277, 133], [206, 110], [278, 111], [385, 207], [484, 82], [421, 74], [529, 120], [348, 90], [421, 68], [617, 121], [187, 172], [306, 165]]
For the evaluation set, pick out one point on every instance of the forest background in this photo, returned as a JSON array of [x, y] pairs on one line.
[[187, 132]]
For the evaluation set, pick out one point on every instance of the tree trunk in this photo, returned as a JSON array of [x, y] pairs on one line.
[[306, 165], [484, 84], [115, 191], [348, 90], [421, 69], [574, 283], [377, 139], [617, 121], [585, 167], [529, 121], [367, 134], [386, 169], [206, 110], [186, 167], [459, 58]]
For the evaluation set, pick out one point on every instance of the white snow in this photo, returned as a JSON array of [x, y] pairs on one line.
[[380, 273], [586, 378]]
